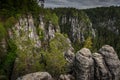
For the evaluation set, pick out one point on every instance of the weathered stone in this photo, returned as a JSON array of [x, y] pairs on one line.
[[36, 76], [106, 64], [101, 70], [25, 29], [66, 77], [27, 40], [77, 28], [69, 55], [83, 65], [111, 60]]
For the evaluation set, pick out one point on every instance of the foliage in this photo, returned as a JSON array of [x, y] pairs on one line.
[[59, 42], [6, 66], [10, 8], [106, 22], [52, 17], [10, 22], [52, 59], [41, 34], [2, 31], [27, 56], [88, 43], [2, 42], [55, 61]]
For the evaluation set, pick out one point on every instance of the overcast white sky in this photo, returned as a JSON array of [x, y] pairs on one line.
[[80, 4]]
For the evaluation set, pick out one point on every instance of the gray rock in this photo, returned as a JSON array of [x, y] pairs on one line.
[[69, 56], [83, 65], [24, 30], [36, 76], [106, 65], [66, 77], [101, 70], [78, 29], [111, 60]]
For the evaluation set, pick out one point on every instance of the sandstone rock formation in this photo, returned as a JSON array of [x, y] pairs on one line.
[[66, 77], [101, 71], [106, 65], [36, 76], [103, 65], [111, 60], [25, 31], [77, 29], [83, 65]]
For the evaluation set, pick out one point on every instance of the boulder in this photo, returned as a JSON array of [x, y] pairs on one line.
[[66, 77], [36, 76]]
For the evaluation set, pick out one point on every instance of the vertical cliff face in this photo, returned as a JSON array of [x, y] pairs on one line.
[[24, 30], [78, 28], [29, 40], [110, 24], [48, 29]]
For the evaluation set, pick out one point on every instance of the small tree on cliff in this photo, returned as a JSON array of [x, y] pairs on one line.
[[54, 58], [88, 43]]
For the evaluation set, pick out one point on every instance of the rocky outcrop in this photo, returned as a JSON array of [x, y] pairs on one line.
[[48, 29], [78, 29], [110, 25], [36, 76], [27, 38], [66, 77], [103, 65], [101, 70], [111, 60], [25, 30], [69, 54], [83, 65]]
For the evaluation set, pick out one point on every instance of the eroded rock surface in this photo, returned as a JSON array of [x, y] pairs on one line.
[[101, 70], [66, 77], [83, 65], [104, 65], [111, 60], [36, 76]]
